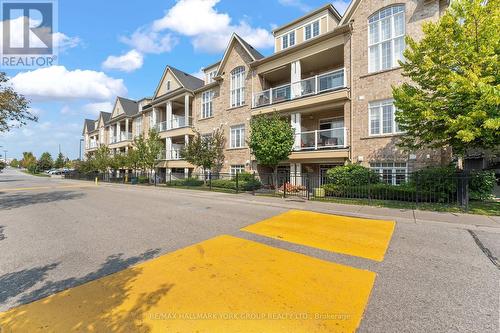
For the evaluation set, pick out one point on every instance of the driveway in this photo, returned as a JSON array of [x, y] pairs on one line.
[[60, 235]]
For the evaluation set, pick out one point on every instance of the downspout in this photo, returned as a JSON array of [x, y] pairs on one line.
[[351, 96]]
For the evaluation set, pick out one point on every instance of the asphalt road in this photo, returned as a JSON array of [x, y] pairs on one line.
[[57, 234]]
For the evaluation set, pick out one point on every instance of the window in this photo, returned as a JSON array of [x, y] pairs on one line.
[[381, 118], [238, 136], [207, 104], [386, 38], [211, 75], [238, 168], [390, 172], [311, 30], [168, 85], [238, 86], [288, 40]]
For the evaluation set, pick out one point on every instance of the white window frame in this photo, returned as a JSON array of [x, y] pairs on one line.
[[211, 75], [393, 167], [379, 105], [311, 24], [288, 38], [138, 126], [236, 168], [241, 142], [237, 87], [375, 19], [207, 105]]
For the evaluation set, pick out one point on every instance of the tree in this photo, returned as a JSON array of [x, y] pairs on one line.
[[117, 161], [141, 149], [60, 161], [453, 97], [206, 151], [153, 149], [101, 159], [2, 165], [14, 108], [45, 162], [271, 139], [132, 159], [14, 163], [28, 161]]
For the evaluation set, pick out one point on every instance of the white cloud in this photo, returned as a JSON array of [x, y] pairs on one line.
[[127, 62], [60, 40], [296, 3], [146, 40], [95, 108], [340, 5], [64, 42], [57, 83], [209, 29], [199, 74]]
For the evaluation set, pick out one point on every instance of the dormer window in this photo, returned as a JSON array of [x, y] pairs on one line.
[[288, 40], [211, 75], [311, 30]]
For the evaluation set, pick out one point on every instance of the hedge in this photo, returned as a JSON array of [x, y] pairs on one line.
[[245, 185], [352, 174], [185, 182]]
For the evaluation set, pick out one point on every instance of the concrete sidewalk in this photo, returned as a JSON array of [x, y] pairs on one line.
[[457, 220]]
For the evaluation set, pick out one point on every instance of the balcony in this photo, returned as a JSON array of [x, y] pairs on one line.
[[93, 145], [174, 123], [315, 85], [170, 155], [335, 138], [122, 137]]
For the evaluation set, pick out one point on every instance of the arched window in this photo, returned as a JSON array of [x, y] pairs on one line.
[[386, 31], [238, 86]]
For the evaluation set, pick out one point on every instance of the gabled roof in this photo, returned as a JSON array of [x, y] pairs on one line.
[[350, 11], [89, 125], [252, 52], [328, 6], [186, 80], [129, 106], [106, 116]]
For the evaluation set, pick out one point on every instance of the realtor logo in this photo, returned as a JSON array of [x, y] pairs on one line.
[[28, 33]]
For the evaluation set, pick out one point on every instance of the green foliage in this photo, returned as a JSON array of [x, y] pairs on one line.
[[206, 151], [244, 185], [151, 151], [481, 184], [100, 161], [132, 159], [245, 176], [271, 139], [45, 162], [14, 163], [352, 174], [28, 161], [14, 108], [440, 180], [185, 182], [60, 161], [2, 165], [453, 97]]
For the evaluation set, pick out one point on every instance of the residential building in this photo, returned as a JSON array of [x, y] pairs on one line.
[[331, 76]]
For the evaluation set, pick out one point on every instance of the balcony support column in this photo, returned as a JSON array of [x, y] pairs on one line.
[[126, 127], [168, 115], [118, 139], [168, 148], [186, 109], [296, 173], [295, 76], [296, 125]]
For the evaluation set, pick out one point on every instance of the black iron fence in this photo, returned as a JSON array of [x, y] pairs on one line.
[[403, 188]]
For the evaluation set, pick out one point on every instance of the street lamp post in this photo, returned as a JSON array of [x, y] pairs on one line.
[[80, 151]]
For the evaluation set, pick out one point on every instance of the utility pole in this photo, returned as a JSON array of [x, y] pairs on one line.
[[5, 156]]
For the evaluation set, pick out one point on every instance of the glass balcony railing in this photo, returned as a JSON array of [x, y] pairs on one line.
[[122, 137], [173, 154], [175, 122], [307, 87], [321, 139]]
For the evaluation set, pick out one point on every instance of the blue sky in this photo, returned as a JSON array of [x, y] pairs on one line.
[[109, 48]]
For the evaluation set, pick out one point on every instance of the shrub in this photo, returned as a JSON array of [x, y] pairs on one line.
[[245, 176], [185, 182], [245, 185], [481, 184], [352, 174]]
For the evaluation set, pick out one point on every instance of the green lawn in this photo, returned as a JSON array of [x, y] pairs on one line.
[[35, 174]]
